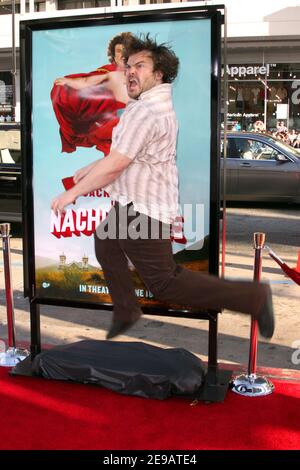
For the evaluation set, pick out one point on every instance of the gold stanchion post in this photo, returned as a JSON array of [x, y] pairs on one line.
[[12, 355]]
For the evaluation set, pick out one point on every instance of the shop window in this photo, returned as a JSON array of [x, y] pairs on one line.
[[73, 4], [39, 6], [6, 7], [263, 93], [6, 97]]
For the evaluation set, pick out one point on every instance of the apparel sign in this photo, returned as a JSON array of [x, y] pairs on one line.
[[242, 71], [73, 127], [245, 115]]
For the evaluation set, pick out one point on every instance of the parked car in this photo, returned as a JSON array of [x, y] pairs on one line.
[[10, 173], [260, 167]]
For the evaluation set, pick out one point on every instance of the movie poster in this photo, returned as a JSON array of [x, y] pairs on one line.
[[72, 128]]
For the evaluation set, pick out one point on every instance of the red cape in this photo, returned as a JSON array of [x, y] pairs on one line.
[[86, 117]]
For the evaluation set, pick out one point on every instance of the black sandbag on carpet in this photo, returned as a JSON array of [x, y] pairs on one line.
[[130, 368]]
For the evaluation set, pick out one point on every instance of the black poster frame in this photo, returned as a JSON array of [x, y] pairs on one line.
[[213, 13]]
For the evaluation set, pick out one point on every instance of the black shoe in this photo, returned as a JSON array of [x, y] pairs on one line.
[[265, 317], [118, 327]]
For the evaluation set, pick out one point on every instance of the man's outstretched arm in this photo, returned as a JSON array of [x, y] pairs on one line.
[[82, 82], [104, 172]]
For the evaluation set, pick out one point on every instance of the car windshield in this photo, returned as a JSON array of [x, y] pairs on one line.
[[285, 147]]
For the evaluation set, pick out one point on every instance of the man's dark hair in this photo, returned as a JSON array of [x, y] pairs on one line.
[[123, 38], [164, 59]]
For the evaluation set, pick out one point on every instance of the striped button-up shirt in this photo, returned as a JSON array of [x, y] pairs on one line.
[[147, 134]]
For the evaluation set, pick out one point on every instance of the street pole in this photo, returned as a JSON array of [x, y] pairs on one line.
[[13, 57]]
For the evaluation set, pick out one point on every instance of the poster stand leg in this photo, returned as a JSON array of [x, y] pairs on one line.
[[217, 381], [35, 330]]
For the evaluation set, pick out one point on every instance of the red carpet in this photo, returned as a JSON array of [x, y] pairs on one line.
[[44, 414]]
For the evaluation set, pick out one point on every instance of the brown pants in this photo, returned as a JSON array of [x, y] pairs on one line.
[[167, 281]]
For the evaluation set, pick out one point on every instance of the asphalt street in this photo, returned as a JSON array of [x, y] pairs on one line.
[[281, 224]]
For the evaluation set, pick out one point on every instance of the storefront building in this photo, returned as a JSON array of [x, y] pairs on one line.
[[263, 54], [264, 85]]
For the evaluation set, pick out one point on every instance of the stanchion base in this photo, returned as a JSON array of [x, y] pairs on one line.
[[215, 386], [12, 357], [251, 385]]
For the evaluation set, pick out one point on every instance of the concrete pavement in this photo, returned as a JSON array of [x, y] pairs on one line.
[[61, 325]]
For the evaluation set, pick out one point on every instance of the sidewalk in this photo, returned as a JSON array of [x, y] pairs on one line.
[[61, 325]]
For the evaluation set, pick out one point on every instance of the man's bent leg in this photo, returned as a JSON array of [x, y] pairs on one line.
[[119, 280], [175, 284]]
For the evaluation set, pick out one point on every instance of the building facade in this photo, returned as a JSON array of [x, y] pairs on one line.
[[262, 59]]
